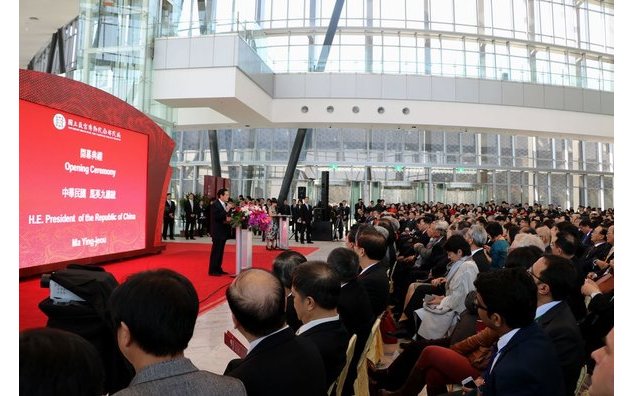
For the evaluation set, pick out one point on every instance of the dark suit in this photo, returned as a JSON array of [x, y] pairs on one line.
[[191, 214], [587, 240], [355, 311], [331, 338], [294, 218], [561, 327], [526, 366], [595, 252], [168, 218], [291, 315], [306, 218], [481, 261], [280, 365], [437, 261], [220, 232], [377, 285], [598, 323]]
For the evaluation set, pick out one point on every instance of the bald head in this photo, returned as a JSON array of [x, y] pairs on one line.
[[256, 299]]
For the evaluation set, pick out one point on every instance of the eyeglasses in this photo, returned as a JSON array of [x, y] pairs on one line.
[[530, 271], [477, 306]]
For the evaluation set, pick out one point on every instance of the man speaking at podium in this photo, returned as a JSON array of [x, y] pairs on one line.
[[220, 231]]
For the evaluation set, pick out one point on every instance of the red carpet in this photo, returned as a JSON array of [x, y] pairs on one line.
[[189, 259]]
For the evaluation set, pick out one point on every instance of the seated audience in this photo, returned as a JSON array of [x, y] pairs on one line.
[[370, 246], [155, 313], [522, 240], [277, 362], [555, 277], [316, 290], [565, 245], [354, 308], [438, 314], [58, 362], [599, 320], [477, 238], [523, 257], [524, 360], [283, 267], [396, 374], [499, 246]]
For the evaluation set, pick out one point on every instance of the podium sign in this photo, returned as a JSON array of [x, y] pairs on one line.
[[244, 249]]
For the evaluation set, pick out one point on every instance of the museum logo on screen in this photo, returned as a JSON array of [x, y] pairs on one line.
[[105, 131]]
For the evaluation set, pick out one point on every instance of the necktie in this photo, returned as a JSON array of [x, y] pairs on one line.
[[494, 353]]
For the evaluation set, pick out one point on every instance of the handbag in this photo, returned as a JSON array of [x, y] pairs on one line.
[[435, 323]]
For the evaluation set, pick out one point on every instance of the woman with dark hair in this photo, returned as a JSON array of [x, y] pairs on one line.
[[500, 246], [438, 314]]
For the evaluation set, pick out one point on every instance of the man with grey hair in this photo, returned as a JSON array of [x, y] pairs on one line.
[[522, 240], [437, 261], [477, 238]]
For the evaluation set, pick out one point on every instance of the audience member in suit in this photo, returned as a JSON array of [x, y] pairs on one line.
[[555, 278], [191, 214], [294, 219], [600, 319], [220, 231], [58, 362], [168, 217], [602, 265], [316, 289], [524, 360], [155, 313], [305, 222], [603, 375], [434, 268], [599, 250], [565, 245], [277, 362], [477, 238], [370, 246], [283, 267], [354, 308], [437, 261], [585, 226]]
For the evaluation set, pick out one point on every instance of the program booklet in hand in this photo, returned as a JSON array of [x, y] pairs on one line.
[[235, 345]]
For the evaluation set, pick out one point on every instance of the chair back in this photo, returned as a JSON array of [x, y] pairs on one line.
[[340, 381], [372, 351]]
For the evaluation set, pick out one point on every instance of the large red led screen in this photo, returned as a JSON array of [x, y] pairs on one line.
[[83, 187]]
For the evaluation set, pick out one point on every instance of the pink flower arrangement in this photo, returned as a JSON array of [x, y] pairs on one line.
[[255, 217]]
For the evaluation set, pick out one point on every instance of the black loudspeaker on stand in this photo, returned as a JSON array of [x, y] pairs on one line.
[[301, 193], [325, 187]]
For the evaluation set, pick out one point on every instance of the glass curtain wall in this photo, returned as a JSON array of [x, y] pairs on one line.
[[557, 42], [405, 165]]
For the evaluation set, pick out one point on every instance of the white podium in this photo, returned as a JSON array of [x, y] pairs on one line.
[[244, 249], [282, 231]]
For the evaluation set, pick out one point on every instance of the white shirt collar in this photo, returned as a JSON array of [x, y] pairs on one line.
[[255, 342], [368, 267], [316, 322], [502, 342], [542, 309]]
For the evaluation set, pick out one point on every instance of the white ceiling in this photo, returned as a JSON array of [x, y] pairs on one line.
[[51, 15]]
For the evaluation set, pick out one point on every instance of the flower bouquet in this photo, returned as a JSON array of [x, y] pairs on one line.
[[252, 217]]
